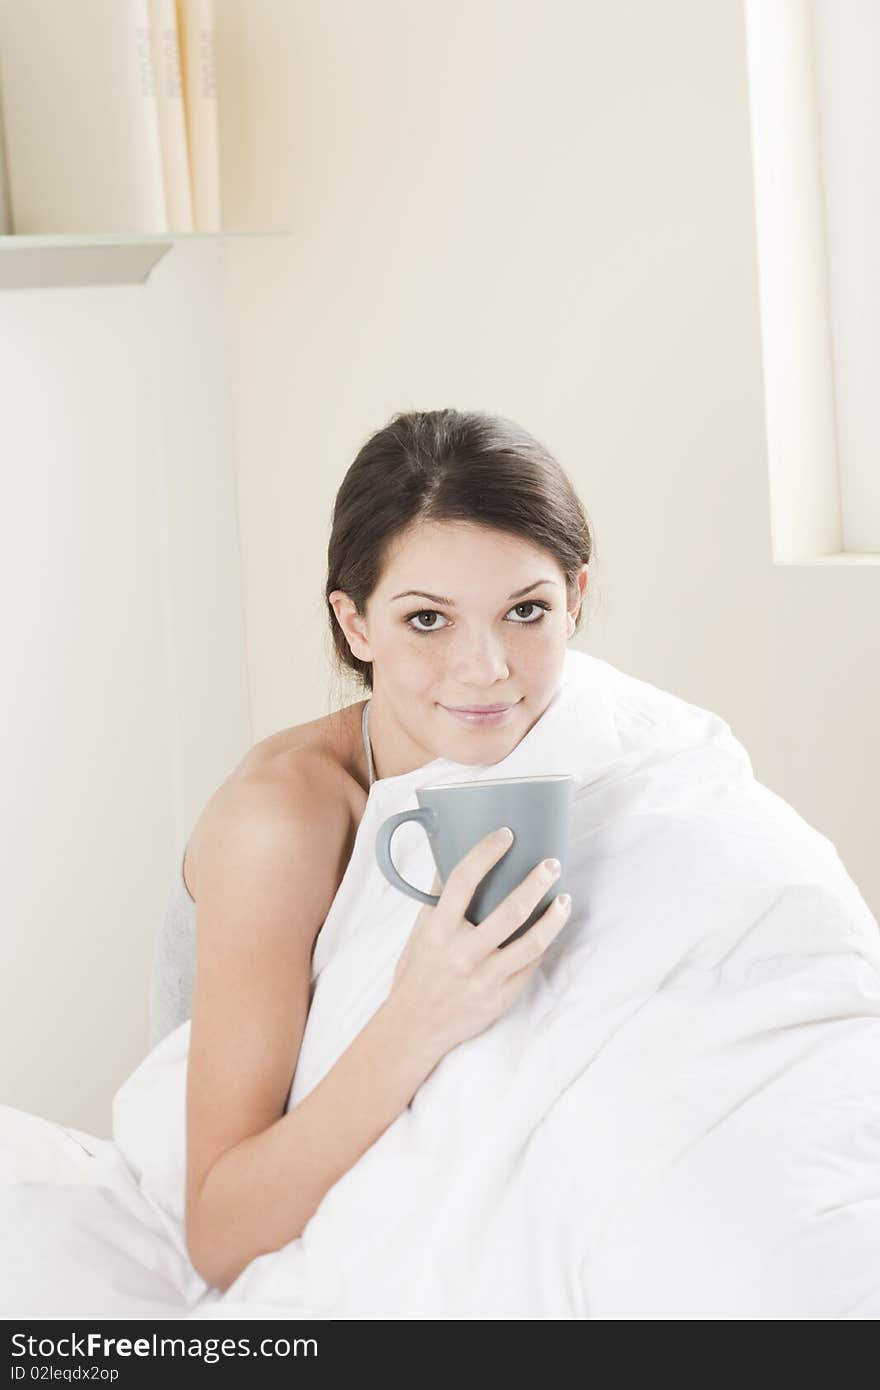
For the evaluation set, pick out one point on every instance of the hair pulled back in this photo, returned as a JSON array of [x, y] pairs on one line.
[[447, 465]]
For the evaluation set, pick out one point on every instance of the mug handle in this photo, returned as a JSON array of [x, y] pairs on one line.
[[425, 817]]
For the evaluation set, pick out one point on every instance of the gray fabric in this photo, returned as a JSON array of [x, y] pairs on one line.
[[171, 980]]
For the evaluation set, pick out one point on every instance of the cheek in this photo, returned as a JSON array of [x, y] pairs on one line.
[[535, 650], [416, 661], [539, 662]]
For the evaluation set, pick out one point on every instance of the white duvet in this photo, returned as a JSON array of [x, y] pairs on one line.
[[678, 1118]]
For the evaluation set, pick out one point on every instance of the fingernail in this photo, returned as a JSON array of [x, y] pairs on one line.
[[504, 835], [552, 865], [564, 901]]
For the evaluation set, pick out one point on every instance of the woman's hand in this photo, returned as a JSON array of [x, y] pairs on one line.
[[452, 980]]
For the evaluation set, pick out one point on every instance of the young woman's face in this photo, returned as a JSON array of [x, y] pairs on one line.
[[487, 625]]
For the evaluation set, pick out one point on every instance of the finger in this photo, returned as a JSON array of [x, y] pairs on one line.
[[470, 870], [534, 942], [513, 910]]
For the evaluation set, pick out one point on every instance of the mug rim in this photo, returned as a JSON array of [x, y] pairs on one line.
[[498, 781]]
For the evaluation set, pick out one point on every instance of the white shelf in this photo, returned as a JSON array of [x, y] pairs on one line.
[[50, 262]]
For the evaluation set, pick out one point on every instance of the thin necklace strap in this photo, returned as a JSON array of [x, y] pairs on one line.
[[365, 730]]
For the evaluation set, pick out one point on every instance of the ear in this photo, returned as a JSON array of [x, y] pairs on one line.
[[353, 624], [582, 580]]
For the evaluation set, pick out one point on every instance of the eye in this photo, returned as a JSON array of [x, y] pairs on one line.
[[537, 604]]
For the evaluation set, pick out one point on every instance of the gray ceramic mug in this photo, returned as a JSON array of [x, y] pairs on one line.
[[457, 815]]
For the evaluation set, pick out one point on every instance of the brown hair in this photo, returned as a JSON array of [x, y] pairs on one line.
[[447, 465]]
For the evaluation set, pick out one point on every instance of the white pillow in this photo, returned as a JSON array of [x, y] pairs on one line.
[[33, 1149]]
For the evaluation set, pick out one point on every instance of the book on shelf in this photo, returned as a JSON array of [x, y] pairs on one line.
[[171, 111], [198, 48], [110, 116], [5, 205]]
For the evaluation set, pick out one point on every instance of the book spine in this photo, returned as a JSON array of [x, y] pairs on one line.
[[82, 128], [172, 114], [198, 40], [149, 179], [5, 203]]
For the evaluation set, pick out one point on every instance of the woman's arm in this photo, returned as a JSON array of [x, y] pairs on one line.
[[261, 1193], [270, 855]]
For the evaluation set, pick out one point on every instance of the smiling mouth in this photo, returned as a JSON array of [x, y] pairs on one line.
[[483, 709], [485, 716]]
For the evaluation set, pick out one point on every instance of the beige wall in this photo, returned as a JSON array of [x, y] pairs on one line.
[[124, 699], [545, 211]]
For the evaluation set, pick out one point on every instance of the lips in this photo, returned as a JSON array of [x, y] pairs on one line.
[[480, 709], [484, 717]]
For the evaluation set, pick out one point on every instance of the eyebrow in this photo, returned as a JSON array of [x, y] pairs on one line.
[[450, 603]]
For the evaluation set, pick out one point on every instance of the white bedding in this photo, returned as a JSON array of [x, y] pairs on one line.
[[679, 1117], [34, 1149]]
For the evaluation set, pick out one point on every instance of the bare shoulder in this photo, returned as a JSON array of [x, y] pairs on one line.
[[289, 825], [301, 779]]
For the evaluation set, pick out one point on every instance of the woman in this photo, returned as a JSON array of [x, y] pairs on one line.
[[680, 1118], [457, 566]]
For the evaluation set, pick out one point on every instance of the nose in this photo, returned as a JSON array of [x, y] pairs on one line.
[[482, 663]]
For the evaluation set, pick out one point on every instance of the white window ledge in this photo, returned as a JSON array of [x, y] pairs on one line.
[[845, 557]]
